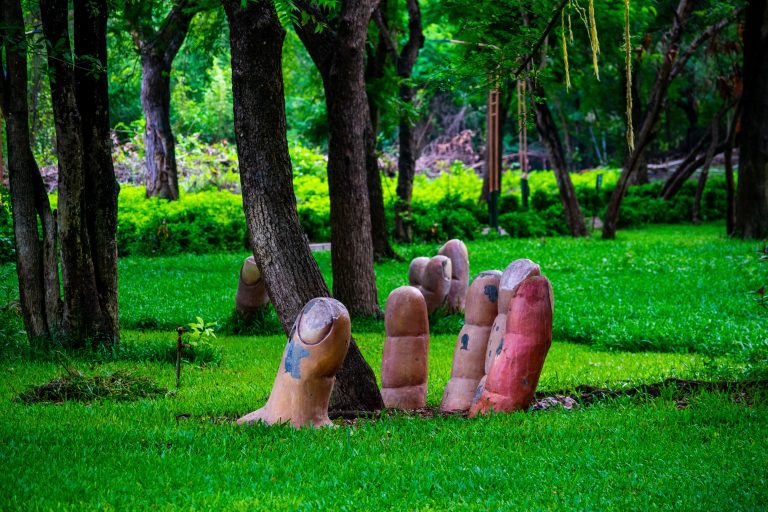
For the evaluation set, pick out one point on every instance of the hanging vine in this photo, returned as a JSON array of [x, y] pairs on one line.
[[565, 51], [628, 66]]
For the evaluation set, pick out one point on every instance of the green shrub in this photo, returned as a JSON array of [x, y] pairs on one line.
[[523, 224], [7, 249]]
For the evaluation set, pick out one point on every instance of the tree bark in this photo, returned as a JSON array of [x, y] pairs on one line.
[[157, 50], [90, 312], [374, 71], [545, 125], [36, 262], [338, 53], [752, 188], [101, 188], [279, 247]]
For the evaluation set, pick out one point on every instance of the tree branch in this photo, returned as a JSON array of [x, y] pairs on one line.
[[550, 26], [713, 29]]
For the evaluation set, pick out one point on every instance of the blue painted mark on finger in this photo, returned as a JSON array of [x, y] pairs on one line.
[[492, 291], [464, 342], [293, 358]]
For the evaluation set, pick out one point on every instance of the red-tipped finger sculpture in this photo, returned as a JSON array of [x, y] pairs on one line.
[[512, 381], [432, 277], [456, 251], [515, 273], [469, 353], [404, 362], [316, 349], [251, 289]]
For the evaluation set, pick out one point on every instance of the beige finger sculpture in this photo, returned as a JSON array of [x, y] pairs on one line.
[[317, 346], [251, 289], [456, 251], [469, 353], [512, 381], [404, 362], [432, 277]]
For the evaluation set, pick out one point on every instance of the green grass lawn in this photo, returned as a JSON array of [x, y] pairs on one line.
[[676, 297], [662, 288]]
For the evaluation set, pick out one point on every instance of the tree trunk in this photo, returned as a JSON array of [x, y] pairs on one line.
[[158, 48], [101, 187], [730, 198], [339, 57], [696, 214], [374, 71], [159, 145], [406, 170], [664, 77], [752, 188], [90, 312], [36, 263], [406, 160], [545, 125], [280, 249]]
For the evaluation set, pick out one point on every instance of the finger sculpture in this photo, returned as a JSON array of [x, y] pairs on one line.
[[404, 362], [456, 251], [515, 273], [432, 277], [469, 353], [251, 289], [511, 383], [315, 351]]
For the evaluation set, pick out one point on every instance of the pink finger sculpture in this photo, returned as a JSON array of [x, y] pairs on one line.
[[315, 351], [515, 273], [512, 381], [469, 353], [251, 289], [456, 251], [404, 362], [432, 277]]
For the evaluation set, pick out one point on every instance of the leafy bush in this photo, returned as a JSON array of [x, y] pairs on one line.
[[7, 249]]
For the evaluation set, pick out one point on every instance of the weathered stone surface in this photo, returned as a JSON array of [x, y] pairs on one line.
[[511, 383], [469, 353], [432, 277], [404, 362], [456, 251], [251, 289], [315, 351]]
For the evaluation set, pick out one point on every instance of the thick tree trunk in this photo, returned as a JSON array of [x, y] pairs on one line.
[[159, 145], [101, 187], [83, 318], [545, 125], [752, 188], [280, 249], [36, 262], [339, 58]]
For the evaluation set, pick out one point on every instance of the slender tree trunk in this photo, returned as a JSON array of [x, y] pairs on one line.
[[339, 57], [729, 182], [86, 306], [101, 188], [158, 48], [752, 191], [545, 125], [36, 263], [406, 161], [159, 144], [280, 249], [696, 214], [374, 71], [644, 137], [406, 170]]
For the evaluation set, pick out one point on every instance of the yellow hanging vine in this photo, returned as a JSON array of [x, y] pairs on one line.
[[628, 66], [594, 43], [565, 52]]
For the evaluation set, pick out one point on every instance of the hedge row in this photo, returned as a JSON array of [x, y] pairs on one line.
[[443, 208]]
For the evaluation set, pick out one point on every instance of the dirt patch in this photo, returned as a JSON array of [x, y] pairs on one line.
[[120, 386]]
